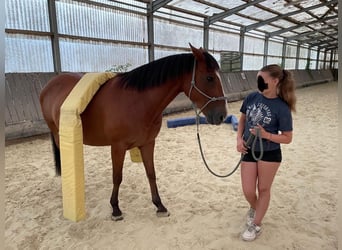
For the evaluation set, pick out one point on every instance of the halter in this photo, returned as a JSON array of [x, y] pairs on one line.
[[211, 99], [251, 140]]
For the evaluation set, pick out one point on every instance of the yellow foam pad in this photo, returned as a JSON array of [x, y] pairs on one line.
[[71, 143], [135, 155]]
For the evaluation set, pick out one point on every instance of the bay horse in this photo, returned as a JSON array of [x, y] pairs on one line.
[[126, 111]]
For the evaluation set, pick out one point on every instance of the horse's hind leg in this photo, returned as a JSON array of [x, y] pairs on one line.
[[147, 155], [118, 156], [57, 153]]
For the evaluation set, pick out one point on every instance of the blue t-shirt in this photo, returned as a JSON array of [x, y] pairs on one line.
[[273, 115]]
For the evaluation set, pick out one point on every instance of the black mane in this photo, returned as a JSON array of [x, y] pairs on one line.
[[160, 71]]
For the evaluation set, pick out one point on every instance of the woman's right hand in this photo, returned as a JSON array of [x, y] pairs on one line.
[[240, 146]]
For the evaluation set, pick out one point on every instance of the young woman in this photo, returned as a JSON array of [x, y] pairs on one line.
[[269, 112]]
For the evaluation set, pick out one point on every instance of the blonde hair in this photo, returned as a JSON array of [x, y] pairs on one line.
[[286, 85]]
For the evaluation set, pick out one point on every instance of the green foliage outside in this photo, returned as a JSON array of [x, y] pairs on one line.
[[119, 68]]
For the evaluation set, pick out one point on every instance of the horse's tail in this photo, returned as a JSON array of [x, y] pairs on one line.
[[57, 156]]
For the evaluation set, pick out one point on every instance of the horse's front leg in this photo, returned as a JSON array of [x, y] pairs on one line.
[[147, 153], [118, 156]]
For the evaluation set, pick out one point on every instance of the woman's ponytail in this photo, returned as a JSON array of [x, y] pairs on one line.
[[286, 89]]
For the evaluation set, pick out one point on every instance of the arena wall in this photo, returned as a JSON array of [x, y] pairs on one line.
[[23, 117]]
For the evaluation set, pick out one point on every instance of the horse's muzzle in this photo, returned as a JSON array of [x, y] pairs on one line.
[[216, 117]]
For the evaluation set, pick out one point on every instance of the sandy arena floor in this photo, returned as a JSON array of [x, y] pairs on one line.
[[206, 212]]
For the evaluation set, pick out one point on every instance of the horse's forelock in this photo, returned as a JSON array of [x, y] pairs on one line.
[[211, 62]]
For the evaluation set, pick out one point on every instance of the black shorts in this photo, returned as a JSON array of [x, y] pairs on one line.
[[270, 156]]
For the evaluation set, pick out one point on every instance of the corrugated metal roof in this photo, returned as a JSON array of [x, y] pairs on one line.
[[311, 22]]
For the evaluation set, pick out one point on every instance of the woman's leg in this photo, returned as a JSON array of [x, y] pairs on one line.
[[266, 172], [249, 174]]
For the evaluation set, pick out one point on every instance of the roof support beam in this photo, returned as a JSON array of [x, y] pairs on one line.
[[332, 47], [331, 9], [276, 33], [308, 33], [157, 4], [262, 23], [323, 42]]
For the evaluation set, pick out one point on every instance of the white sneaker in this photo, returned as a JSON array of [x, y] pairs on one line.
[[251, 232], [250, 216]]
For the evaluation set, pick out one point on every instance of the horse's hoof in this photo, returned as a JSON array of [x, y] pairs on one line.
[[163, 214], [117, 218]]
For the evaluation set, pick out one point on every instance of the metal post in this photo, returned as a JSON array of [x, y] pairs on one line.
[[297, 55], [206, 34], [283, 53], [308, 59], [267, 38], [332, 57], [150, 32], [325, 59], [242, 44], [54, 36], [317, 57]]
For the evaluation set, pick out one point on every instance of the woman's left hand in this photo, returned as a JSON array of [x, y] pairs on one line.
[[263, 132]]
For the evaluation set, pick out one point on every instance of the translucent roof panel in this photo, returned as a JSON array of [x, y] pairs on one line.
[[240, 20], [283, 23], [195, 7], [257, 13], [279, 18], [268, 28], [332, 21], [279, 6], [229, 27], [302, 29], [303, 17], [320, 11], [321, 26], [289, 34], [228, 4], [308, 3]]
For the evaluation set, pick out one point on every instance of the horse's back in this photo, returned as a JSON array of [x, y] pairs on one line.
[[53, 95], [60, 85]]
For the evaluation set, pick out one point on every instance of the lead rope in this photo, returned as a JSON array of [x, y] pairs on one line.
[[256, 138], [252, 140]]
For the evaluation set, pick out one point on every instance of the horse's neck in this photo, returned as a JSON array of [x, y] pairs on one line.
[[163, 96]]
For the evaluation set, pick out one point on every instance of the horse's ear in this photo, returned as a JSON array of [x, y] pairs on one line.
[[198, 53]]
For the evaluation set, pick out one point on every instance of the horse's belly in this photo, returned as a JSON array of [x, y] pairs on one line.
[[124, 135], [93, 132]]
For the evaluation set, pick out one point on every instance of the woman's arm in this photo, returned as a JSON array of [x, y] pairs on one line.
[[241, 126], [284, 137], [240, 145]]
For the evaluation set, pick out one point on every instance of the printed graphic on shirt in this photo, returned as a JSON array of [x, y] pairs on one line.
[[259, 114]]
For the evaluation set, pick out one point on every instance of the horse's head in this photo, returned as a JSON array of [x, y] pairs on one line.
[[206, 87]]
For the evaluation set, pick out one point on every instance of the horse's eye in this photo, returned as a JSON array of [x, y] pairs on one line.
[[210, 78]]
